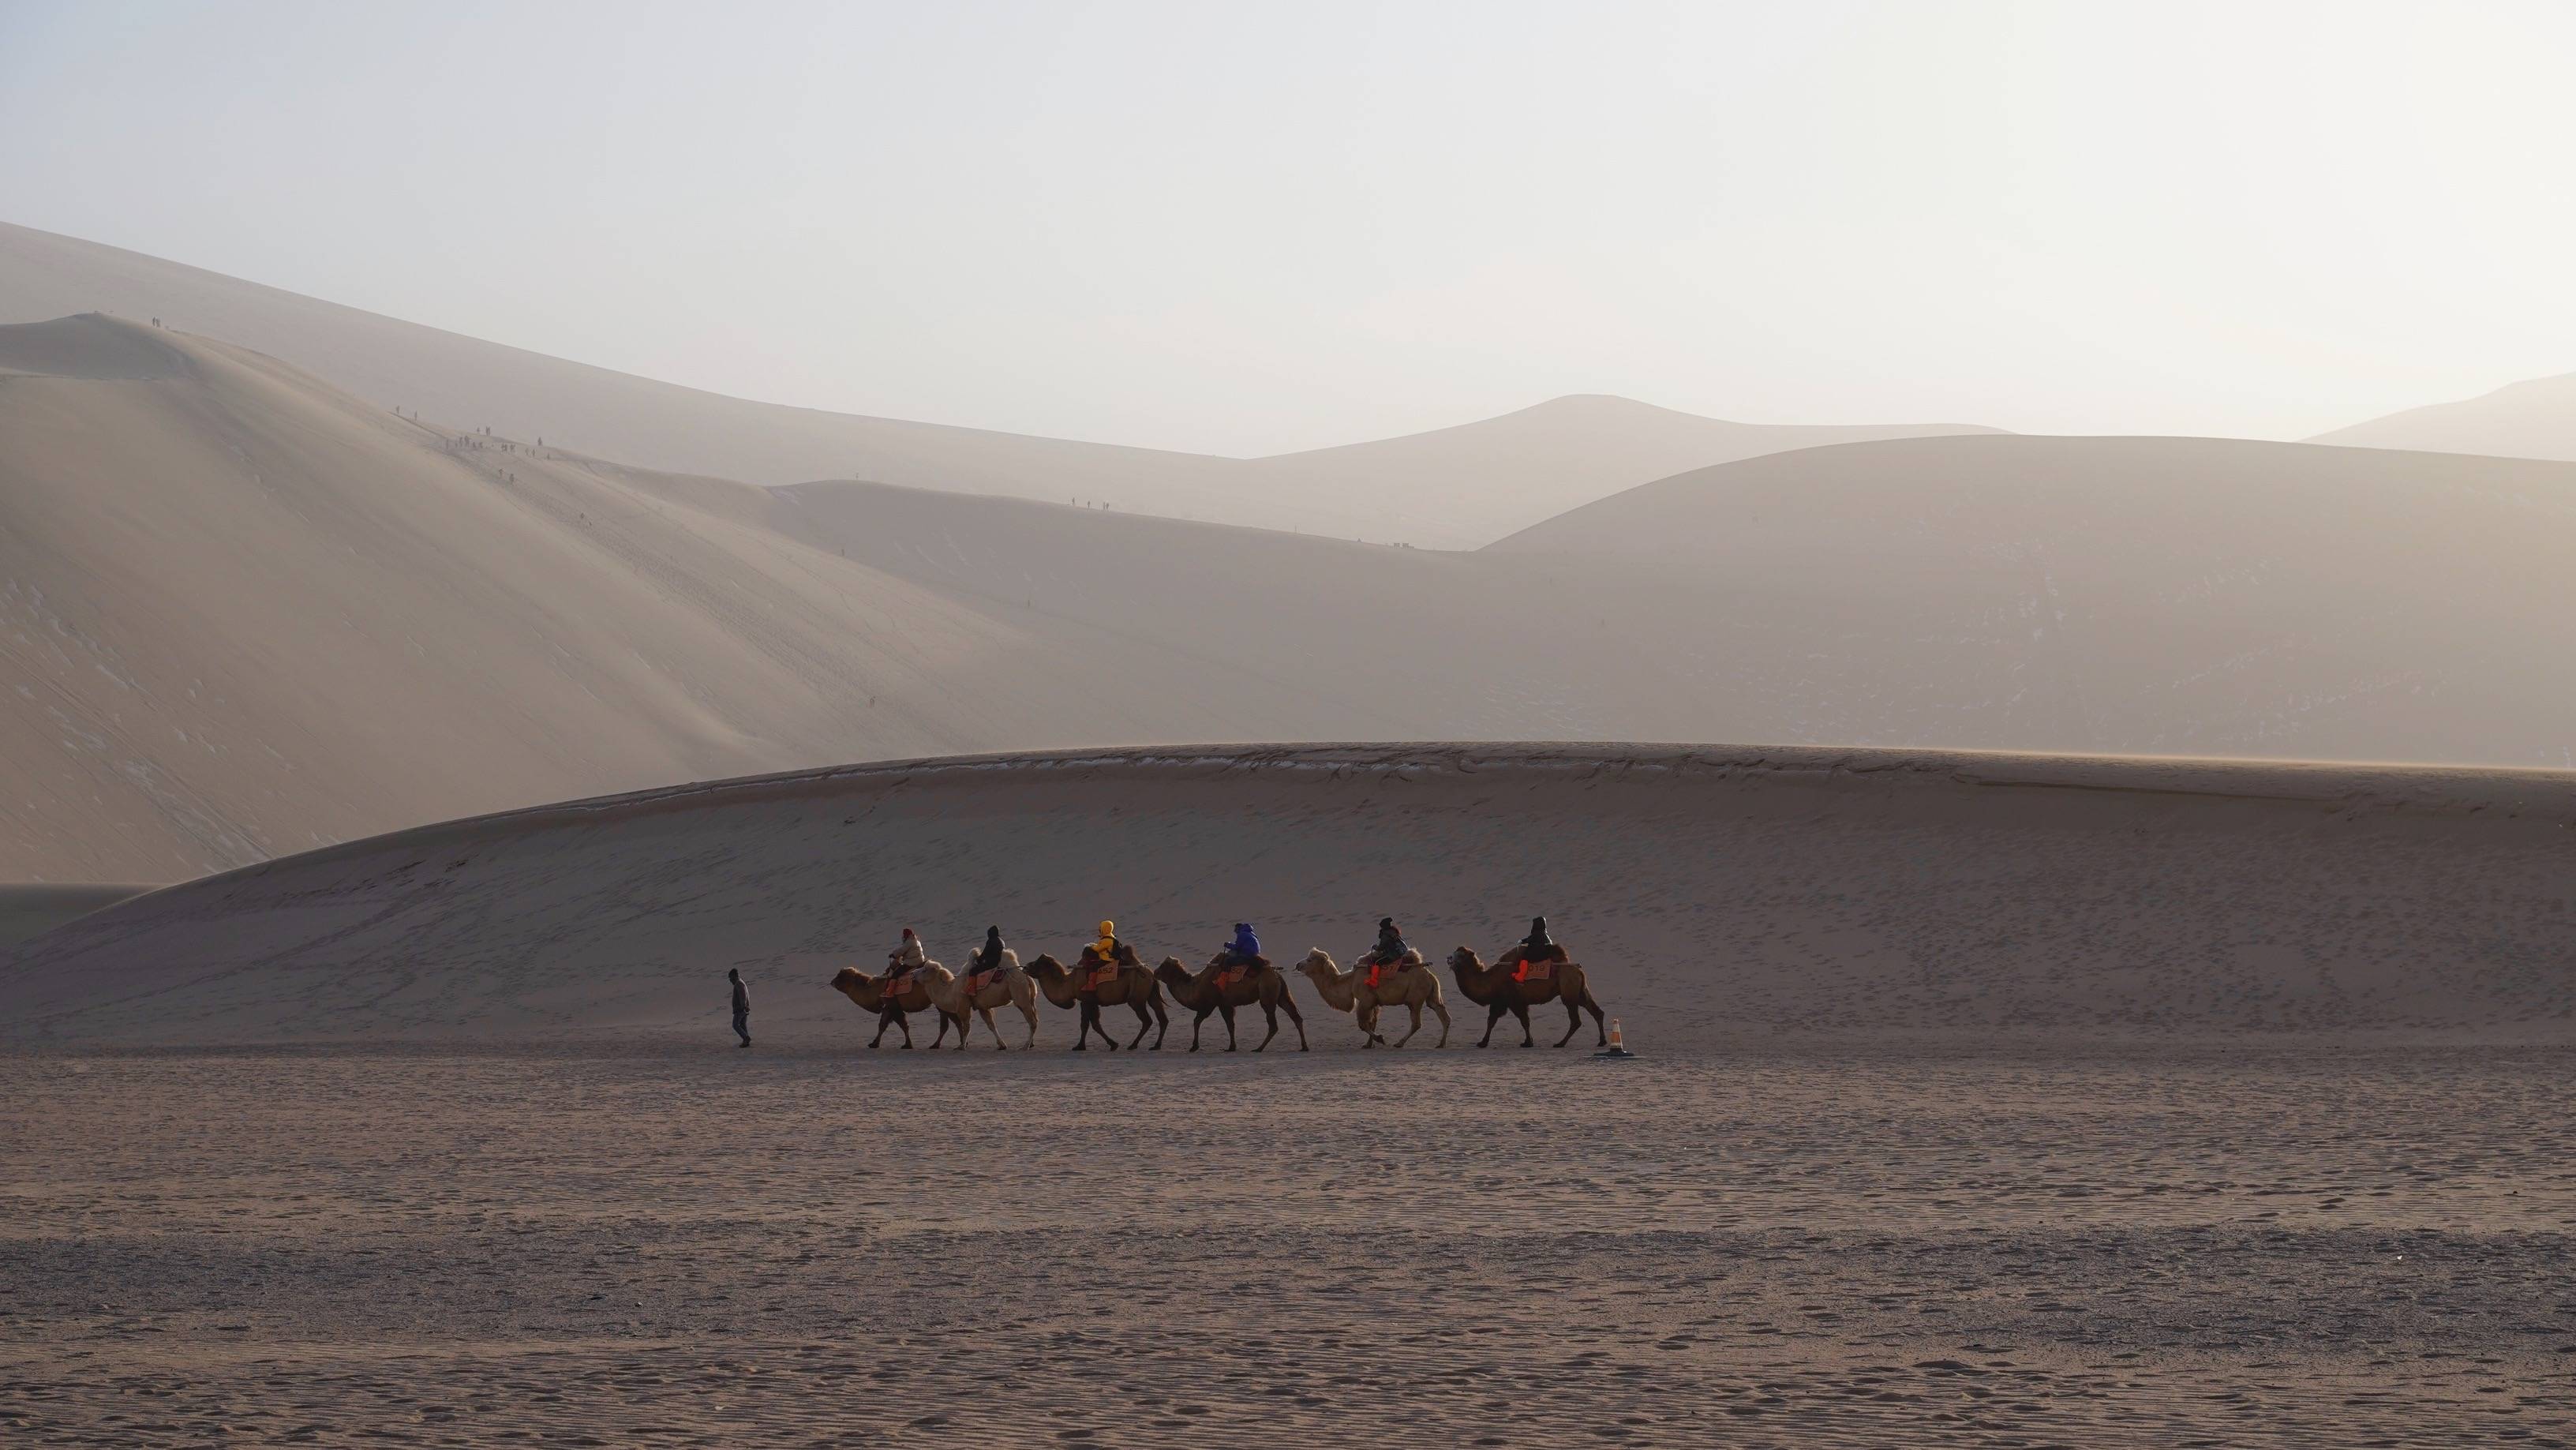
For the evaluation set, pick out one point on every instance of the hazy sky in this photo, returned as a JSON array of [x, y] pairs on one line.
[[1245, 229]]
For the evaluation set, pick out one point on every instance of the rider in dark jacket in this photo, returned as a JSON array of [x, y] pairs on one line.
[[1538, 946], [1244, 950], [990, 956], [1390, 947]]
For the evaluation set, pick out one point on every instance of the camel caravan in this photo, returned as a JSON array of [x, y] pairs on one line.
[[1109, 973]]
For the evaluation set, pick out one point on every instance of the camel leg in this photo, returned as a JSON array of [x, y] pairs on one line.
[[885, 1019], [1521, 1010], [1196, 1023], [904, 1021], [1416, 1009], [987, 1014], [1288, 1004], [1493, 1013], [1226, 1009], [1437, 1006], [1366, 1018], [1082, 1037], [1144, 1021], [1270, 1011], [1030, 1011], [1573, 1021], [1600, 1030]]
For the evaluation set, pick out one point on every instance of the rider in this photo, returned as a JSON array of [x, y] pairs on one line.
[[989, 956], [907, 956], [1538, 946], [1243, 951], [1390, 948], [1107, 947]]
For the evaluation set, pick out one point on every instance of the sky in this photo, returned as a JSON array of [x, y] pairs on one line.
[[1253, 228]]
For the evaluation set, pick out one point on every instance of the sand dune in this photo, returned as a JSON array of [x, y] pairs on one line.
[[28, 911], [242, 613], [1713, 892], [2533, 419], [1454, 488], [2154, 595]]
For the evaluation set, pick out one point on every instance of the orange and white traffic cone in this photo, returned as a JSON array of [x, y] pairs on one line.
[[1618, 1043]]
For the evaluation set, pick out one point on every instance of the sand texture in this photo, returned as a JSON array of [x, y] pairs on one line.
[[2276, 1244]]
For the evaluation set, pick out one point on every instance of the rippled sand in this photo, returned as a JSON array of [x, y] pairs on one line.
[[2322, 1243]]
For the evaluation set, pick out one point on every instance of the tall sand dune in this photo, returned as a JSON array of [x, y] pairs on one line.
[[242, 614], [1455, 487], [1712, 892]]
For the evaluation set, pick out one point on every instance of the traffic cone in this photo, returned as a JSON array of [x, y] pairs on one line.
[[1618, 1043]]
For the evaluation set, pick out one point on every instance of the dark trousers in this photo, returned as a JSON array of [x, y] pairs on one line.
[[742, 1027]]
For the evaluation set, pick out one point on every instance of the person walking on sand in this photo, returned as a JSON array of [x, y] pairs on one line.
[[741, 1006]]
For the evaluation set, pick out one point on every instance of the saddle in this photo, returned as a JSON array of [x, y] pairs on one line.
[[1091, 973], [1228, 976], [896, 979], [1377, 970], [979, 979], [1541, 968]]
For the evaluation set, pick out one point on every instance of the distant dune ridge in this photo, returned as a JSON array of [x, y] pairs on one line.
[[243, 613], [1451, 488], [2532, 419], [1711, 891]]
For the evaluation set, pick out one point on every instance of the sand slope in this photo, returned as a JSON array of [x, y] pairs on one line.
[[2158, 595], [2533, 419], [1713, 892], [1456, 487], [31, 911], [241, 614]]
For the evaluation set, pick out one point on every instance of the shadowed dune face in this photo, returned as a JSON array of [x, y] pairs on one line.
[[1708, 893], [1450, 488], [29, 911]]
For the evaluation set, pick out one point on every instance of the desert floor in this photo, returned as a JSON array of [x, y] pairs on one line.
[[1786, 1242]]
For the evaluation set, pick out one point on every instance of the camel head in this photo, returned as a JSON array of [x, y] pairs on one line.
[[854, 984], [1045, 965], [1464, 959], [1173, 972], [1319, 963]]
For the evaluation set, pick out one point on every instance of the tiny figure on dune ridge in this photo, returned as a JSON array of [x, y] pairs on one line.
[[741, 1006]]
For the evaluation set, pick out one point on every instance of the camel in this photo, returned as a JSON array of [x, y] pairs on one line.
[[1134, 986], [918, 995], [1204, 993], [1410, 983], [1493, 989], [1012, 987]]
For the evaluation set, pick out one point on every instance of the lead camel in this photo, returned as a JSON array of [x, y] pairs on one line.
[[1498, 990]]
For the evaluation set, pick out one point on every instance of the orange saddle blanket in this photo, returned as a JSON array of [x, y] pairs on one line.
[[1542, 970], [1228, 976], [978, 981], [1102, 975]]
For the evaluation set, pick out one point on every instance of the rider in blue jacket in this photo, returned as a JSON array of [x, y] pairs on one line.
[[1244, 950]]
